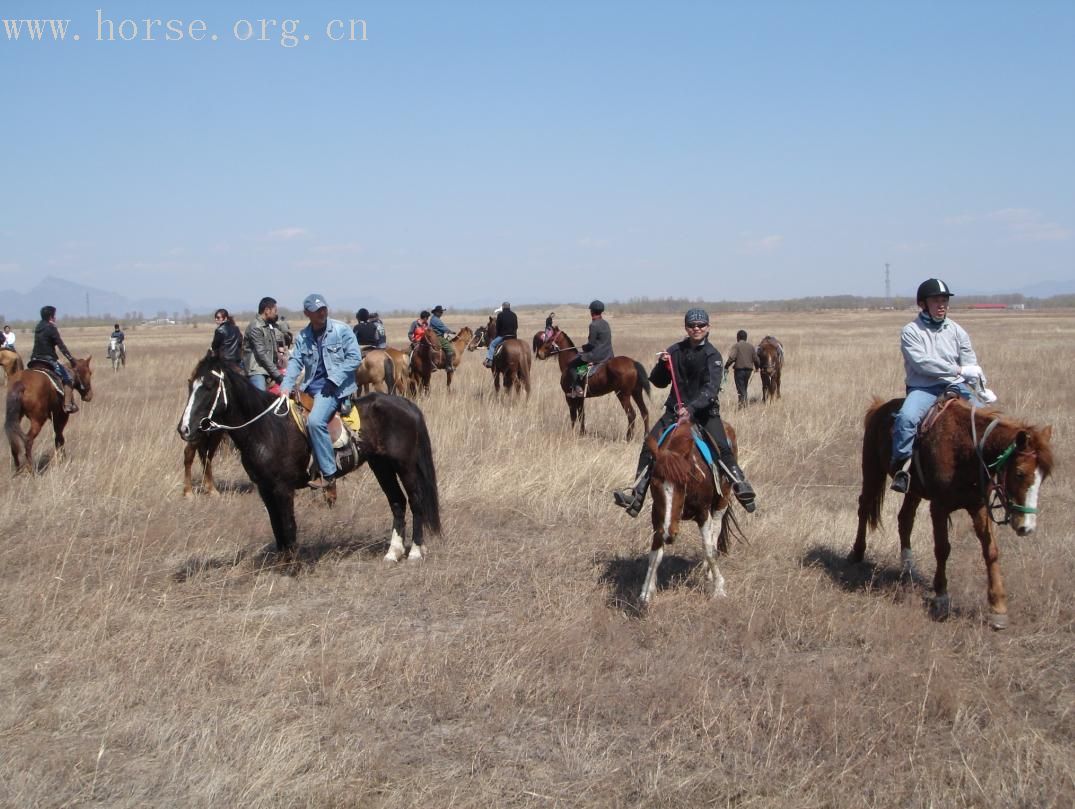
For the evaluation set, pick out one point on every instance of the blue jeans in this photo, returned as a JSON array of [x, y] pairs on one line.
[[492, 347], [918, 401], [317, 426], [258, 381]]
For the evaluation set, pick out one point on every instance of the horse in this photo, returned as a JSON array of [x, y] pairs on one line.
[[117, 354], [620, 375], [682, 488], [275, 453], [428, 356], [770, 361], [380, 371], [481, 336], [33, 394], [539, 338], [204, 447], [971, 459], [512, 360], [10, 361]]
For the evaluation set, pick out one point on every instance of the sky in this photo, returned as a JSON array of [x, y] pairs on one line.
[[465, 153]]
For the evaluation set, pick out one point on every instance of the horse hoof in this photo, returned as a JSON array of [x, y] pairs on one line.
[[998, 620], [940, 608]]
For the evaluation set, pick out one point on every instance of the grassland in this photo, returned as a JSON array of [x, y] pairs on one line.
[[152, 655]]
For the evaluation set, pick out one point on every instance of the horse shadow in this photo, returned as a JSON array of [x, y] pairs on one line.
[[624, 576]]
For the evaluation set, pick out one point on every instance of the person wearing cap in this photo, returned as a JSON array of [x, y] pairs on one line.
[[596, 349], [418, 327], [365, 331], [326, 353], [445, 334], [507, 326], [744, 357], [260, 347], [698, 373], [937, 358]]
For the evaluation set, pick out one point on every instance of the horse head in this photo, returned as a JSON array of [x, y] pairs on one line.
[[556, 341], [1021, 468], [671, 479], [83, 376], [478, 340], [214, 388]]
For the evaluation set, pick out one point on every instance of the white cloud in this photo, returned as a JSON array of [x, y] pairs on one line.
[[1020, 224], [287, 234], [349, 248], [759, 245]]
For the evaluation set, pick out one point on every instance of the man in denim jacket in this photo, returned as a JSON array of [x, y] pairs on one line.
[[327, 354]]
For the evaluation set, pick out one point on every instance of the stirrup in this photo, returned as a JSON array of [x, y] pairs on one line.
[[630, 500], [901, 481], [70, 407], [323, 482], [744, 493]]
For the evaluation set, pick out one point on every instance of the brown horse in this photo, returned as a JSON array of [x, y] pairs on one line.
[[204, 447], [33, 394], [512, 361], [10, 361], [427, 356], [987, 466], [620, 375], [380, 371], [683, 488], [770, 363]]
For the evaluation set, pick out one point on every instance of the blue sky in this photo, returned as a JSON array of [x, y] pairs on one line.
[[469, 152]]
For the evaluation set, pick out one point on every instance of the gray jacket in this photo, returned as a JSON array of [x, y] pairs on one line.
[[259, 350], [933, 354], [598, 347]]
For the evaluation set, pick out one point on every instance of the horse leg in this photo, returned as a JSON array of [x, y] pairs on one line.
[[649, 584], [581, 403], [641, 402], [386, 478], [59, 422], [190, 450], [625, 403], [709, 545], [998, 598], [280, 503], [905, 520], [28, 444], [941, 548], [207, 451]]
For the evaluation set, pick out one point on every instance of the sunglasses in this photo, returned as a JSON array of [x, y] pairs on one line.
[[697, 325]]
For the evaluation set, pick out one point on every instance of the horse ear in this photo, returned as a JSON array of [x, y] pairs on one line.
[[1021, 440]]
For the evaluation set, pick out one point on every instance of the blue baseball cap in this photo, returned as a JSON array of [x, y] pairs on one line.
[[313, 302]]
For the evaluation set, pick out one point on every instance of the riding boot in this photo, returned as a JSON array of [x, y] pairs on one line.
[[69, 405], [633, 498], [741, 487], [901, 475]]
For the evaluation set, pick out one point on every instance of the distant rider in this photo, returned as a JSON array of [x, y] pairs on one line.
[[47, 342], [596, 349], [507, 326]]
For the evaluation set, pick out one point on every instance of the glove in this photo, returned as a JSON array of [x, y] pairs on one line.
[[970, 372], [987, 396], [329, 389]]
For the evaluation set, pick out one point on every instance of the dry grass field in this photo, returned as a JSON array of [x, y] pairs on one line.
[[152, 655]]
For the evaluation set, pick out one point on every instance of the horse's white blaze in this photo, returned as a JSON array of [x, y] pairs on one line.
[[1030, 521], [666, 525], [185, 423], [395, 548]]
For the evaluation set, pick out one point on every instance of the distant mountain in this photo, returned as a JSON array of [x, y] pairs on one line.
[[1046, 289], [76, 300]]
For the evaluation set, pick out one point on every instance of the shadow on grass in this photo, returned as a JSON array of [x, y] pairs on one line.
[[624, 576]]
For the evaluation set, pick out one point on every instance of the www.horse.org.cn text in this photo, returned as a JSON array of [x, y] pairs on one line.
[[287, 33]]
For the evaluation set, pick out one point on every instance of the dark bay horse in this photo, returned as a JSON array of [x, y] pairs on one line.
[[989, 466], [512, 361], [770, 363], [10, 361], [393, 440], [682, 488], [32, 393], [427, 356], [620, 375]]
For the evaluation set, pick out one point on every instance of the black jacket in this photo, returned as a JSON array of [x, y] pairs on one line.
[[366, 333], [507, 324], [699, 372], [46, 340], [228, 343]]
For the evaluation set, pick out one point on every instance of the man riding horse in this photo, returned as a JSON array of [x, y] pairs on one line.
[[507, 326], [698, 370], [597, 349], [445, 336], [47, 341]]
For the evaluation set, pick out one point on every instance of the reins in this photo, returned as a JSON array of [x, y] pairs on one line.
[[993, 489], [207, 424]]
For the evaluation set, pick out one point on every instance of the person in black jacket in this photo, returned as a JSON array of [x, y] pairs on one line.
[[507, 325], [365, 330], [699, 370], [47, 341], [227, 339]]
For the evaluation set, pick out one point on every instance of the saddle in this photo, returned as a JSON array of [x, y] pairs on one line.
[[47, 369], [343, 431], [924, 426]]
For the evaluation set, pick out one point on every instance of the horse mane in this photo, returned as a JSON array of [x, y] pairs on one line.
[[247, 396], [671, 462], [1008, 427], [557, 330]]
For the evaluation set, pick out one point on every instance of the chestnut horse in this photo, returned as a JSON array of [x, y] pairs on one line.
[[770, 363], [33, 394], [427, 356], [682, 488], [512, 361], [10, 361], [620, 375], [971, 459]]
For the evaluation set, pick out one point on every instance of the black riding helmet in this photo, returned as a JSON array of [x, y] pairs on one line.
[[933, 286], [597, 306]]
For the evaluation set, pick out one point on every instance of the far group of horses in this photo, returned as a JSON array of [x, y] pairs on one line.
[[969, 458]]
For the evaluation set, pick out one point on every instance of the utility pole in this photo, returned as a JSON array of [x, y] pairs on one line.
[[888, 288], [87, 305]]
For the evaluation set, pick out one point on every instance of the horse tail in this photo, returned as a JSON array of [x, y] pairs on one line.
[[730, 529], [873, 464], [13, 421], [642, 386], [428, 496], [389, 374]]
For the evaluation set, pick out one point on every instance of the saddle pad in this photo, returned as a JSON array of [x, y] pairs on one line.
[[703, 447], [339, 428]]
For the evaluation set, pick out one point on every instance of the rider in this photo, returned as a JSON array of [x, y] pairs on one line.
[[46, 342], [260, 347], [598, 348], [227, 339], [745, 359], [382, 338], [937, 358], [418, 327], [698, 374], [365, 330], [328, 355], [550, 321], [445, 334], [507, 326], [7, 339]]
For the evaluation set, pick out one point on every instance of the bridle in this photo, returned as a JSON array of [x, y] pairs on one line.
[[278, 407], [997, 499]]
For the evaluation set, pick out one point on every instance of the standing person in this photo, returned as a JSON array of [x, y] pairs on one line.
[[445, 334], [365, 330], [382, 338], [260, 357], [937, 357], [227, 339], [744, 357], [47, 342], [8, 340], [598, 348], [507, 325], [418, 327], [327, 354], [698, 372]]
